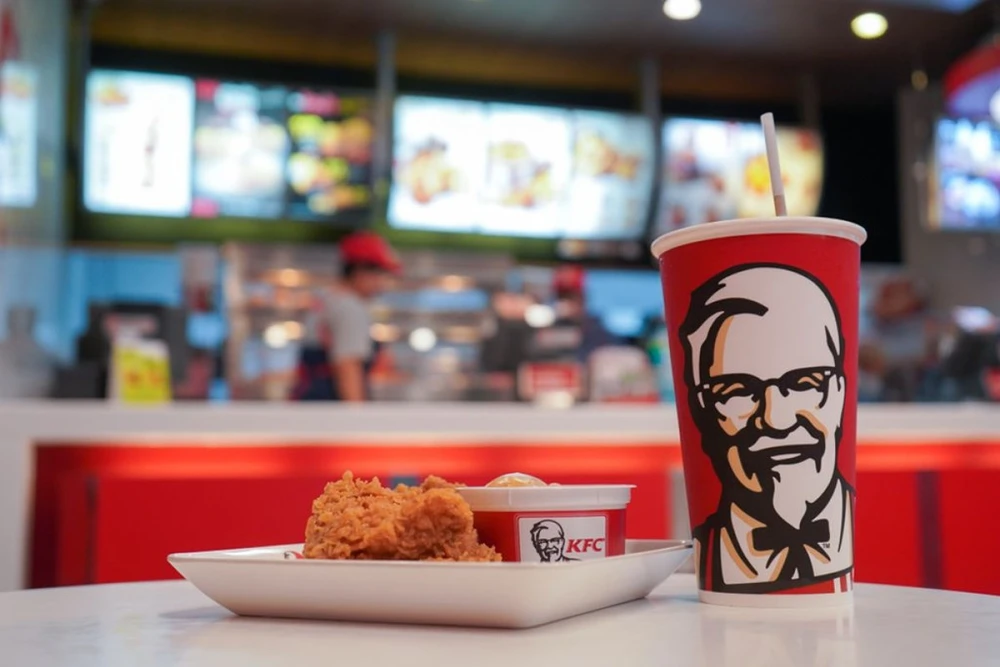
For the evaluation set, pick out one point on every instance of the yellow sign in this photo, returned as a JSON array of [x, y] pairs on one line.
[[140, 372]]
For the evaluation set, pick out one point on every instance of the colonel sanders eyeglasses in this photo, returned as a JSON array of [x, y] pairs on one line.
[[741, 394]]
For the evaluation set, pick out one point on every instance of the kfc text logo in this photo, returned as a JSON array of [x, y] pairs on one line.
[[583, 546], [563, 539]]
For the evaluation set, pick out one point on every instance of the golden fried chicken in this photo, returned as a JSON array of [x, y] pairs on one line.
[[355, 519]]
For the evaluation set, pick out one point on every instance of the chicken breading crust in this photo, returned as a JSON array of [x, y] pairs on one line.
[[363, 520]]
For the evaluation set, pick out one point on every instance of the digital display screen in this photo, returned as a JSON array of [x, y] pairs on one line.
[[240, 150], [137, 143], [965, 187], [439, 164], [329, 169], [174, 146], [613, 172], [18, 135], [520, 171], [717, 170], [528, 167]]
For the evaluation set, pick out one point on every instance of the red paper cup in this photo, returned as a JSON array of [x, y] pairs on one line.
[[551, 524], [762, 317]]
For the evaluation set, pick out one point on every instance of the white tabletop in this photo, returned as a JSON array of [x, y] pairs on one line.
[[170, 623]]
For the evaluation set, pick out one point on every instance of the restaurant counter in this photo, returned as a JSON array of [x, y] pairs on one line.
[[94, 493]]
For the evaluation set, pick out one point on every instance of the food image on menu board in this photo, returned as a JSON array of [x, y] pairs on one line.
[[439, 160], [18, 135], [717, 170], [701, 178], [612, 176], [241, 148], [137, 143], [528, 171], [801, 154], [329, 169]]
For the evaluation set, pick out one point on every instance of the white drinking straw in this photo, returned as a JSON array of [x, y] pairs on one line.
[[774, 164]]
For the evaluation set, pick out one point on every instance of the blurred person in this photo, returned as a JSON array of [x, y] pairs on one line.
[[570, 287], [898, 317], [336, 365], [871, 373]]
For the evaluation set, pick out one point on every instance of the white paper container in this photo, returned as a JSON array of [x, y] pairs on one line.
[[547, 498], [261, 582]]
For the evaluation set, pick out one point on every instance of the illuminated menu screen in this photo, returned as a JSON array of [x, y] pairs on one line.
[[137, 143], [241, 146], [174, 146], [528, 166], [717, 170], [329, 168], [524, 171], [439, 164], [613, 171], [18, 135], [965, 192]]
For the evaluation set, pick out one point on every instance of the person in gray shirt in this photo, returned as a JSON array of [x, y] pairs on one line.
[[337, 366]]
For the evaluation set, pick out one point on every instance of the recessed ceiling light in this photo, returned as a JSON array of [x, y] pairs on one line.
[[870, 25], [682, 10]]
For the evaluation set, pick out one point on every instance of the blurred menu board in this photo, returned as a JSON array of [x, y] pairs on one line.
[[241, 147], [717, 170], [329, 169], [18, 135], [529, 162], [439, 164], [965, 191], [137, 143], [613, 175], [524, 171]]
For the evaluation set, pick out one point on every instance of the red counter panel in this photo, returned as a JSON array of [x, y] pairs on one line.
[[969, 535], [112, 513], [887, 530], [108, 513]]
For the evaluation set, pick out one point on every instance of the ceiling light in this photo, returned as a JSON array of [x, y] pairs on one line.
[[423, 339], [870, 25], [682, 10]]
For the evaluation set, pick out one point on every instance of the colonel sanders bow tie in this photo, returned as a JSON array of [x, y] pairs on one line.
[[781, 537]]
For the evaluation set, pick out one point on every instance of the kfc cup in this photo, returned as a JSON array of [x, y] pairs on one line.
[[551, 524], [762, 317]]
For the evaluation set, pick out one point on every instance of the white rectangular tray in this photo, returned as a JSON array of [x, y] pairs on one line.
[[261, 582]]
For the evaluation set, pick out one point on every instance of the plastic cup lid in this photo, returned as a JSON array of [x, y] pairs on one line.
[[543, 498], [759, 226]]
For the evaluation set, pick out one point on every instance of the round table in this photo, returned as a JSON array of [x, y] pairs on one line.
[[170, 623]]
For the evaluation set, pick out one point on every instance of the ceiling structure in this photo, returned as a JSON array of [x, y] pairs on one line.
[[788, 36]]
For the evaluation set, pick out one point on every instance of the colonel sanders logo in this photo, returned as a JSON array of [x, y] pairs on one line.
[[549, 540], [764, 367]]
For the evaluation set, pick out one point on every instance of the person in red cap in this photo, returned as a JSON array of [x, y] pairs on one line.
[[338, 369], [575, 334]]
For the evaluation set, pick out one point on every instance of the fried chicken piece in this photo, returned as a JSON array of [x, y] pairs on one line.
[[355, 519]]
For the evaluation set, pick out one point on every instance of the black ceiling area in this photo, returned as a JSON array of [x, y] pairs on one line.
[[790, 36]]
